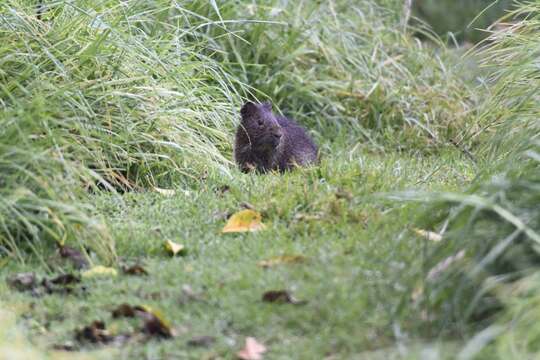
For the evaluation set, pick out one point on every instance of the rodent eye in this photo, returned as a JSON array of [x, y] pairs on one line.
[[260, 122]]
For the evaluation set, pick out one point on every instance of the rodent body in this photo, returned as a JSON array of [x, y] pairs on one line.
[[266, 142]]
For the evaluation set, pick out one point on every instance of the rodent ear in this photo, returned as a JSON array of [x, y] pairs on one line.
[[248, 108], [267, 105]]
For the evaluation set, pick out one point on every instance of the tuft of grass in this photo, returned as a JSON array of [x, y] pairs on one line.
[[100, 96], [496, 221], [346, 69]]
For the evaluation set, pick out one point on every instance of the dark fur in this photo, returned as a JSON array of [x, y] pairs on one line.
[[265, 141]]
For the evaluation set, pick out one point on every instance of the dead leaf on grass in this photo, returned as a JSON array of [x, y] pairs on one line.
[[253, 350], [135, 270], [23, 281], [154, 322], [62, 284], [281, 297], [94, 333], [123, 310], [76, 257], [429, 235], [99, 271], [243, 221], [174, 248], [282, 260]]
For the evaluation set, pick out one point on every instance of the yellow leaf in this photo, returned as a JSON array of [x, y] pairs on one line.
[[165, 192], [430, 235], [282, 259], [174, 248], [99, 271], [242, 221]]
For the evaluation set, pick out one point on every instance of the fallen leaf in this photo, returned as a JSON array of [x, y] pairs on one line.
[[94, 333], [62, 284], [165, 192], [174, 248], [201, 341], [78, 260], [123, 310], [242, 221], [282, 259], [429, 235], [100, 271], [252, 350], [23, 281], [154, 323], [281, 297], [135, 270]]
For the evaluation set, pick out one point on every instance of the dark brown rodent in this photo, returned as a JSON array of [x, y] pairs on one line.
[[265, 141]]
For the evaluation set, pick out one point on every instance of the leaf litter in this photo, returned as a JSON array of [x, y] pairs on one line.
[[253, 350], [247, 220], [281, 297]]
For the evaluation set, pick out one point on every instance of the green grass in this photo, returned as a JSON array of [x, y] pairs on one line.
[[359, 256], [100, 102]]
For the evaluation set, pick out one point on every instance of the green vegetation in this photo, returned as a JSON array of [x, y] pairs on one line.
[[101, 102]]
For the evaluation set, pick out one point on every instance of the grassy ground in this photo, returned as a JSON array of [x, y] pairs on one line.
[[357, 242], [99, 97]]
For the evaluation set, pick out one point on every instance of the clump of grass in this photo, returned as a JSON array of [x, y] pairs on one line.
[[100, 96], [497, 221], [350, 68]]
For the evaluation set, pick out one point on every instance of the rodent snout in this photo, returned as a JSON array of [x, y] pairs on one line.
[[277, 133]]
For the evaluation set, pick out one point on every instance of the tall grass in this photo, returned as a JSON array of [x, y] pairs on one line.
[[100, 94], [346, 66], [121, 96], [496, 223]]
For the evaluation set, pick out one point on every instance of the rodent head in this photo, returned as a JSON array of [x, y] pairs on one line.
[[261, 125]]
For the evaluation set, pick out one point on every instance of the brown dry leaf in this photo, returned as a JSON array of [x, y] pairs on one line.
[[135, 270], [78, 260], [124, 310], [62, 284], [253, 350], [99, 271], [281, 297], [429, 235], [174, 248], [282, 259], [154, 323], [23, 281], [94, 333], [165, 192], [243, 221]]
